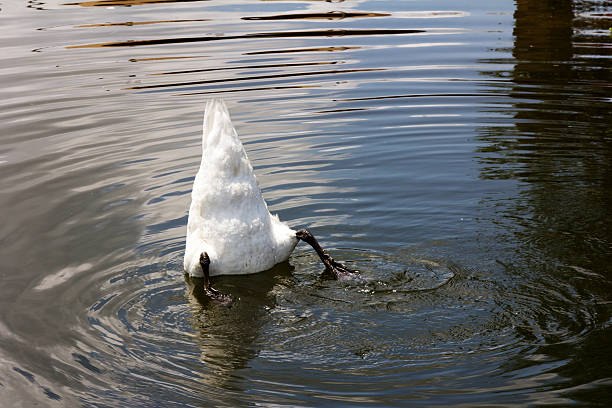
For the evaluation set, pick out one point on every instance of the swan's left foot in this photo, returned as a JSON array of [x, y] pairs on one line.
[[217, 296], [337, 269], [209, 291]]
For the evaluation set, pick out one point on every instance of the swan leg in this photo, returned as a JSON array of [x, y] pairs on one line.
[[208, 289], [339, 270]]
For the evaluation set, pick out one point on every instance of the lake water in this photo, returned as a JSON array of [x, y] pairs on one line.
[[458, 154]]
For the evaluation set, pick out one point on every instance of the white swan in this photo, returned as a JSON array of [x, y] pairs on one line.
[[230, 230]]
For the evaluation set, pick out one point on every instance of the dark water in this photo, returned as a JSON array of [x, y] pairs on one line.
[[458, 154]]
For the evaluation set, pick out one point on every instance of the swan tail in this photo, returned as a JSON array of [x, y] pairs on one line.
[[217, 126]]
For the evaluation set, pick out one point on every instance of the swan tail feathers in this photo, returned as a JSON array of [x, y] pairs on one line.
[[217, 125]]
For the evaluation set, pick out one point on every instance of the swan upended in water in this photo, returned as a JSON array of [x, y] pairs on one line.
[[230, 230]]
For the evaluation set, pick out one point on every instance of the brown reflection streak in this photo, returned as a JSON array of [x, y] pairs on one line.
[[289, 34], [300, 64], [326, 1], [212, 81], [309, 16], [371, 98], [342, 110], [132, 23], [163, 58], [250, 89], [124, 3], [328, 49]]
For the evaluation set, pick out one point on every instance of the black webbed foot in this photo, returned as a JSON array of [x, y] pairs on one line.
[[209, 291], [341, 272], [217, 296], [336, 269]]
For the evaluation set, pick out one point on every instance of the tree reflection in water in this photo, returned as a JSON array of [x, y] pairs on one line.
[[559, 149]]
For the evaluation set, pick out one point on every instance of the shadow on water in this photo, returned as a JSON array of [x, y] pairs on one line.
[[227, 336], [559, 148], [286, 321]]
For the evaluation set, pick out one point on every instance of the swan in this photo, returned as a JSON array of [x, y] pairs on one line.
[[229, 228]]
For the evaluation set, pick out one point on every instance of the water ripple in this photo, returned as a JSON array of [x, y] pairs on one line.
[[284, 34], [443, 154]]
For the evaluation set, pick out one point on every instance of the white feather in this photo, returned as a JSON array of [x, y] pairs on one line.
[[228, 217]]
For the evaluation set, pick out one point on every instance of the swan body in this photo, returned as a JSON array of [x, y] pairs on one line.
[[228, 217]]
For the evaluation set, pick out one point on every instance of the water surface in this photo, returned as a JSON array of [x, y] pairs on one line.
[[458, 155]]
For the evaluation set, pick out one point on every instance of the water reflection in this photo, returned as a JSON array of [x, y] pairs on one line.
[[560, 149], [136, 23], [282, 34], [560, 142], [125, 3], [291, 51], [228, 337], [300, 64], [257, 77], [328, 16]]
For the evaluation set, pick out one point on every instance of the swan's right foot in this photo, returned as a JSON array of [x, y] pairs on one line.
[[337, 269], [209, 291], [340, 271]]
